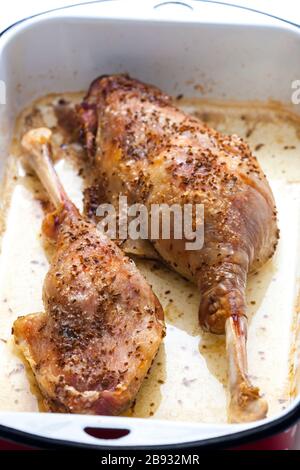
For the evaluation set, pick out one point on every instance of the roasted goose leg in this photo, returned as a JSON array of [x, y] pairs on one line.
[[144, 147], [102, 324]]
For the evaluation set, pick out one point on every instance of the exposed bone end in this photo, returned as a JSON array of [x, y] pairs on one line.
[[37, 142], [35, 138], [246, 404]]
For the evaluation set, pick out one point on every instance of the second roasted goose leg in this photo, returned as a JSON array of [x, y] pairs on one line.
[[102, 325]]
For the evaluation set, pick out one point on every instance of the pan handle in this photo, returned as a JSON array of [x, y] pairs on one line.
[[193, 11], [44, 429]]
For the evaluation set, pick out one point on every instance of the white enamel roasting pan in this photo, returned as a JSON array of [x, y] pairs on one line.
[[246, 55]]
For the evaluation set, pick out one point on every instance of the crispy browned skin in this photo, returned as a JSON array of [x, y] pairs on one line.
[[144, 147], [102, 324], [149, 150]]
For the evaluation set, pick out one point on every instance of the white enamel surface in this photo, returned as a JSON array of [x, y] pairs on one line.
[[228, 55]]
